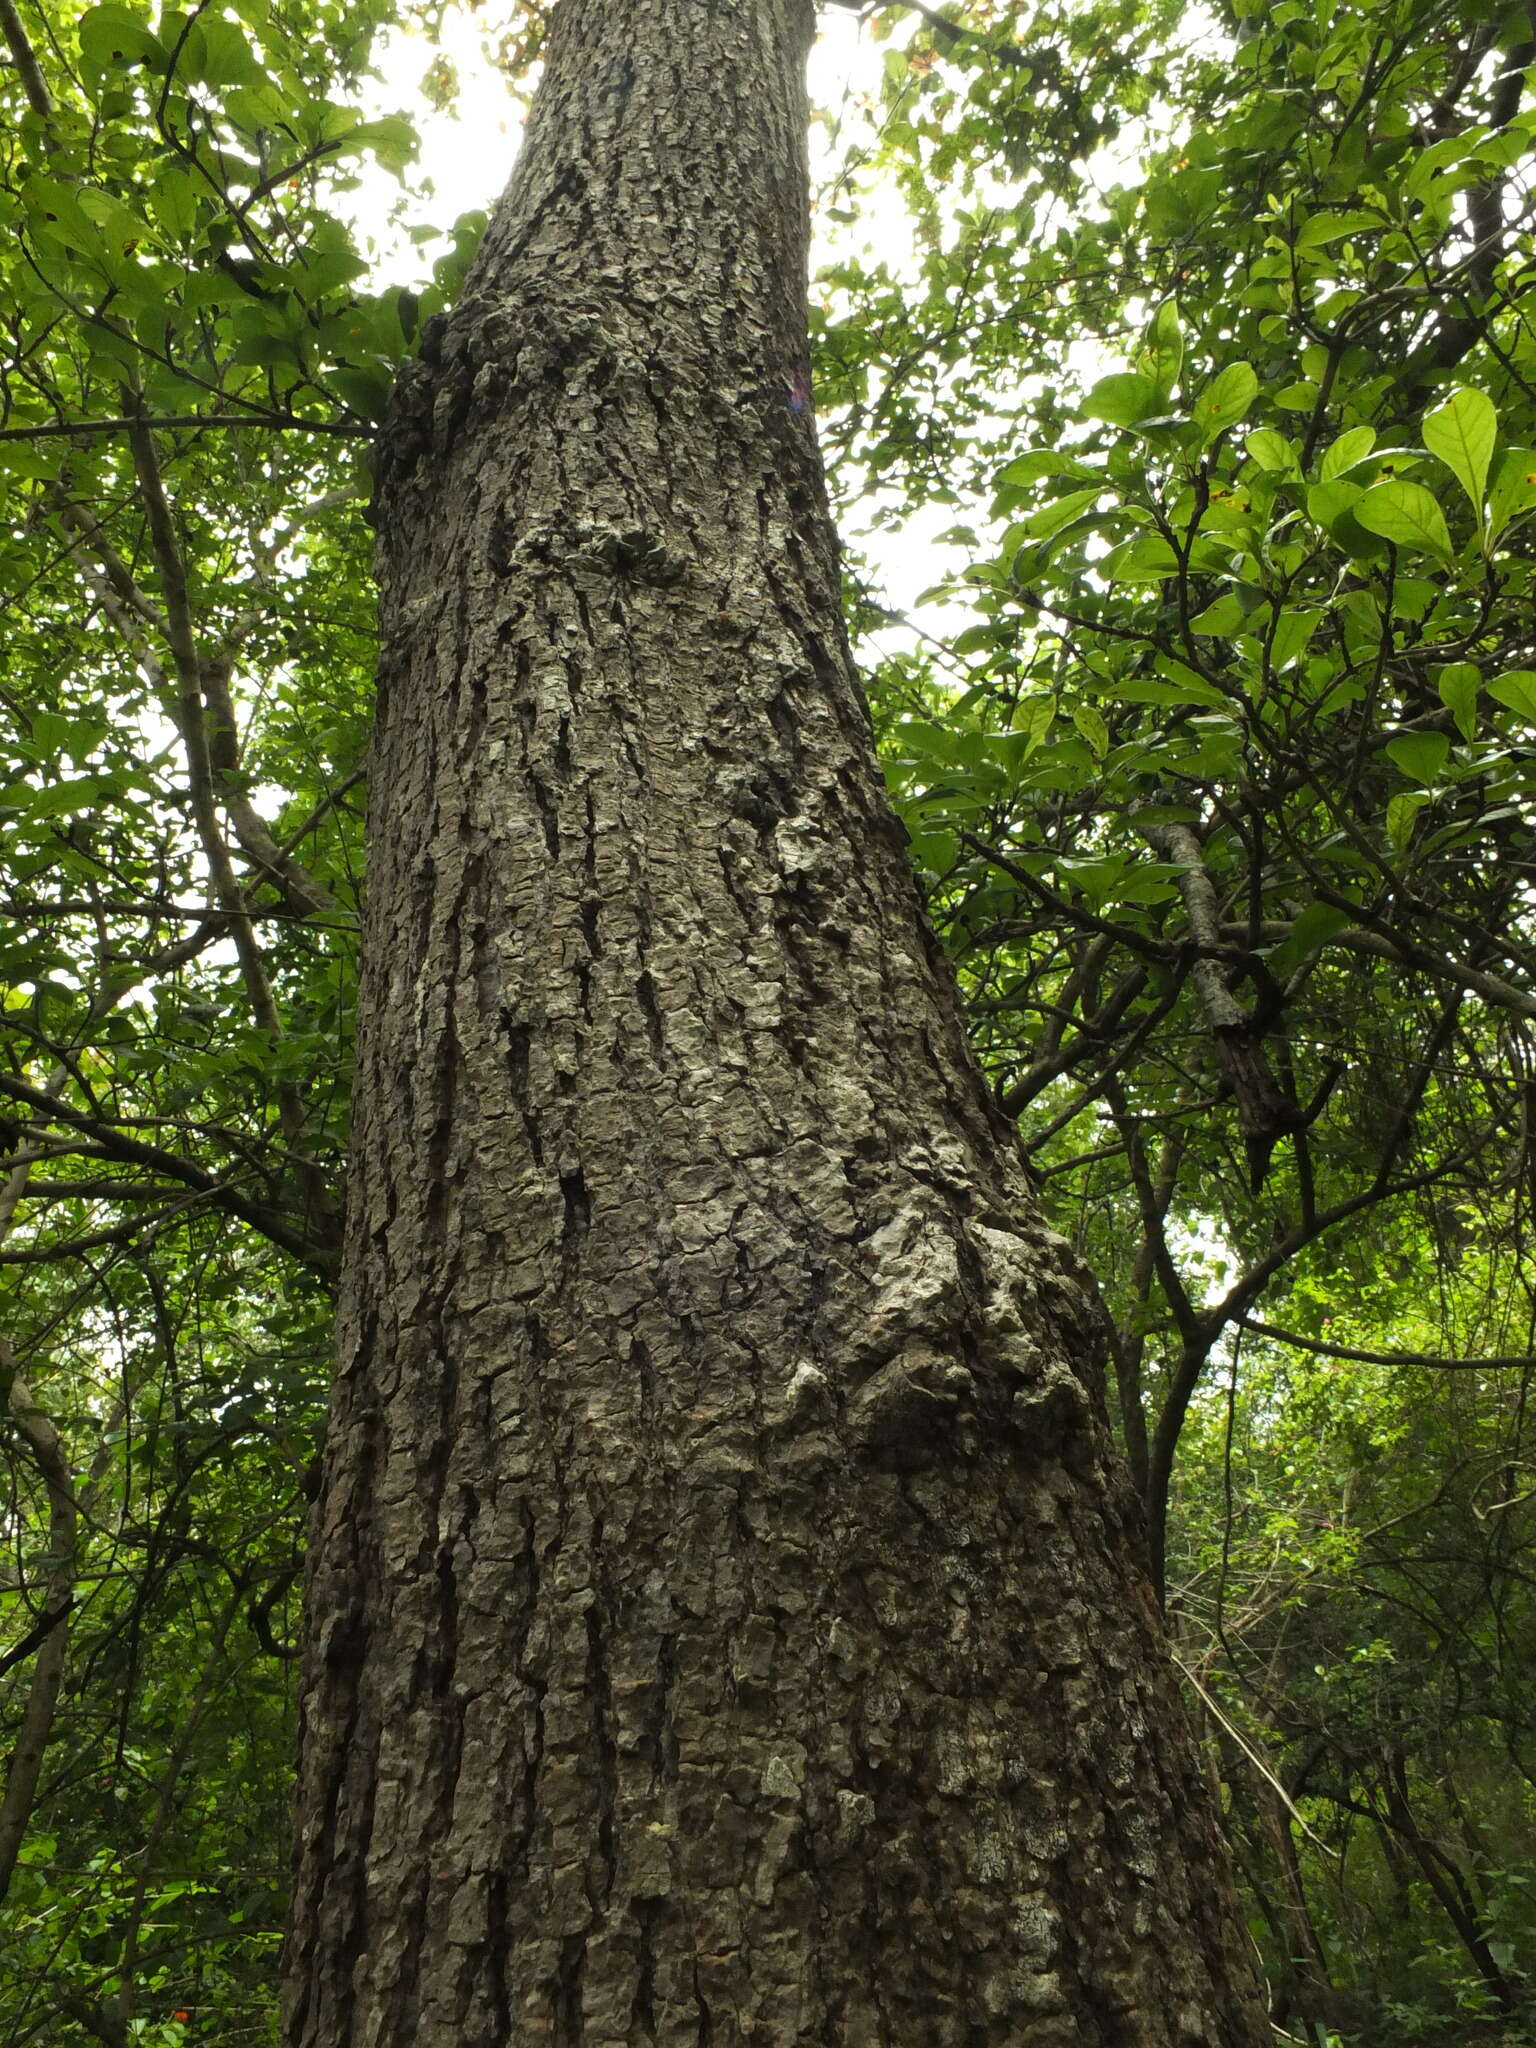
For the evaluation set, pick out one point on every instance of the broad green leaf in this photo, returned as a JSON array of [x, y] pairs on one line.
[[935, 852], [1041, 463], [114, 38], [1194, 688], [69, 794], [366, 391], [935, 741], [1412, 596], [1225, 399], [1090, 723], [1402, 811], [392, 139], [1316, 925], [223, 56], [1033, 721], [1049, 519], [1270, 450], [52, 209], [1407, 515], [1299, 397], [1327, 503], [1162, 355], [1517, 688], [1222, 618], [1321, 228], [1147, 559], [1293, 634], [1514, 489], [1146, 690], [1421, 756], [1458, 685], [1123, 399], [1350, 448], [1096, 876], [1462, 432], [1436, 167]]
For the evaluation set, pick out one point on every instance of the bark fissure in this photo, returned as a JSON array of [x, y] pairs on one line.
[[747, 1638]]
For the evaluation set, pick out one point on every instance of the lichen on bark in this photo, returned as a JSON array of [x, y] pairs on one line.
[[725, 1616]]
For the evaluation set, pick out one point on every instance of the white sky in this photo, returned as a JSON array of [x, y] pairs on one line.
[[467, 154]]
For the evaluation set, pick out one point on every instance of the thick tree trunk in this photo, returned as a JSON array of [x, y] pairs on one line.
[[725, 1624]]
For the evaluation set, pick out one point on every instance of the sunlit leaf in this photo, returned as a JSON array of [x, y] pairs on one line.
[[1405, 514], [1462, 432]]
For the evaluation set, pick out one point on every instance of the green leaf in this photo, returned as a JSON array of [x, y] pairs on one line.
[[1514, 489], [1090, 724], [224, 57], [1349, 449], [1421, 756], [1299, 397], [366, 391], [114, 38], [1033, 720], [392, 139], [1328, 503], [1193, 689], [1041, 463], [1407, 515], [1402, 811], [936, 852], [1458, 685], [1315, 926], [1147, 559], [1225, 399], [1145, 690], [1051, 518], [1096, 876], [1462, 432], [1222, 618], [1293, 634], [1321, 228], [1271, 451], [1517, 688], [1162, 355], [1123, 399]]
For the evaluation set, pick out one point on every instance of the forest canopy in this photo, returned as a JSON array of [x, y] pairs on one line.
[[1195, 346]]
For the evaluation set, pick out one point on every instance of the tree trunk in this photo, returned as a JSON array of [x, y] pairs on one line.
[[725, 1623]]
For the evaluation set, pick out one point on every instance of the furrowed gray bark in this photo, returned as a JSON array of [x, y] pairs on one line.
[[725, 1619]]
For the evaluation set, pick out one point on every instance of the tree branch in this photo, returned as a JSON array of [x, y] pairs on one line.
[[1515, 1362]]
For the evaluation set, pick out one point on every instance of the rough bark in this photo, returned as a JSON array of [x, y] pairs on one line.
[[725, 1623]]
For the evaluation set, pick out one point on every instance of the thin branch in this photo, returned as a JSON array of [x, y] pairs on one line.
[[286, 422], [1515, 1362], [26, 1762], [25, 57], [116, 1144], [195, 677]]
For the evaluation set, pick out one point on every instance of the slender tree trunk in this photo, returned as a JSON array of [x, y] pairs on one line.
[[724, 1618]]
